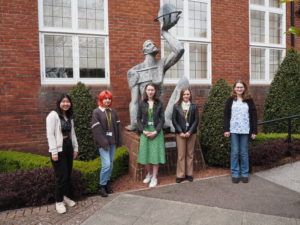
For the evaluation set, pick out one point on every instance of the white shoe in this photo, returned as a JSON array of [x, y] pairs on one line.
[[153, 182], [69, 202], [60, 207], [147, 178]]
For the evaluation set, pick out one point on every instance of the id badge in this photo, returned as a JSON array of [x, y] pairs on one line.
[[150, 123], [109, 134], [187, 124]]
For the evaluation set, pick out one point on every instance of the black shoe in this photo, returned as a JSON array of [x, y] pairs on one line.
[[235, 180], [102, 191], [245, 179], [189, 178], [179, 180], [108, 188]]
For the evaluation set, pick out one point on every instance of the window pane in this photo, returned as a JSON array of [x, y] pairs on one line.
[[275, 60], [91, 14], [257, 64], [177, 70], [258, 2], [198, 61], [57, 13], [177, 30], [274, 3], [257, 26], [58, 56], [197, 19], [91, 57], [275, 28]]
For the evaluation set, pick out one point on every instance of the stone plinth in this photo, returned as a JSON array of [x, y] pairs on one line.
[[137, 171]]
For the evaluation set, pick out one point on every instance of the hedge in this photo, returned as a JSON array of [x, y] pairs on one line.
[[263, 138], [17, 161]]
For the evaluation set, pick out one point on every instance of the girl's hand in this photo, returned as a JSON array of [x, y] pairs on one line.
[[75, 154], [146, 133], [187, 134], [227, 134], [54, 157], [253, 136], [182, 135], [152, 134]]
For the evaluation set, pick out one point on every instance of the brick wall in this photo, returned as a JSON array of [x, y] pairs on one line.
[[24, 102]]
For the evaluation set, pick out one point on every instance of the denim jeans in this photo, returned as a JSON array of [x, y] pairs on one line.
[[107, 161], [239, 163]]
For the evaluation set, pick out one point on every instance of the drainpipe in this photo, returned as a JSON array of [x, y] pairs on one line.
[[293, 23]]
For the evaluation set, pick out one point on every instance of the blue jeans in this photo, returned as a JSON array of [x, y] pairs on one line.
[[107, 161], [239, 162]]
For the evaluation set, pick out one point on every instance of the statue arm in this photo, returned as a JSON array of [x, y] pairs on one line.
[[176, 48]]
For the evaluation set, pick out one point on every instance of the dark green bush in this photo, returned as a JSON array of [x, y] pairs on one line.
[[33, 188], [215, 146], [13, 161], [283, 98], [83, 105]]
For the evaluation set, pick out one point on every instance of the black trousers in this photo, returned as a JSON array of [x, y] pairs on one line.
[[63, 170]]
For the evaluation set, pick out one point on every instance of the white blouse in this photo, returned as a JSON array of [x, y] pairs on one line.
[[239, 122]]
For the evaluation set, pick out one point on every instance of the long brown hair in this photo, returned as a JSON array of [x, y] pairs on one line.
[[181, 95], [246, 95], [145, 96]]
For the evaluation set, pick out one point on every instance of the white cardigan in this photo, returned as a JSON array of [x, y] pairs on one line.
[[55, 136]]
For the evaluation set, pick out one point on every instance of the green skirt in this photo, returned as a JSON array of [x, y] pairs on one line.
[[152, 151]]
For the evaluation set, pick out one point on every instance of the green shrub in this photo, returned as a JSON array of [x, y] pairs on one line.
[[17, 161], [215, 146], [283, 98], [83, 105], [263, 138]]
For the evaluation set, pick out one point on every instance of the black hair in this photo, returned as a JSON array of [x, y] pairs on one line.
[[69, 112]]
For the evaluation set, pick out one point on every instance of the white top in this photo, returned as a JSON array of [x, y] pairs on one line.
[[239, 122]]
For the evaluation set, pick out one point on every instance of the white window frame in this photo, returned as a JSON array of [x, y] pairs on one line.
[[267, 46], [187, 40], [75, 32]]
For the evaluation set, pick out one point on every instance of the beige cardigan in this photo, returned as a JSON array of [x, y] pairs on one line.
[[54, 134]]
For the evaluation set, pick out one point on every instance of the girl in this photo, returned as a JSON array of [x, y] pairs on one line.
[[185, 119], [107, 135], [63, 149], [240, 119], [150, 120]]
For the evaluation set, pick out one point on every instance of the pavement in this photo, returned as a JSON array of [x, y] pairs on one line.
[[272, 197]]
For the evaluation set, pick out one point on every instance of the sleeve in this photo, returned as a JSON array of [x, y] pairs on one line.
[[139, 119], [253, 116], [194, 125], [227, 114], [50, 129], [161, 116], [74, 138], [119, 137], [174, 120], [98, 132]]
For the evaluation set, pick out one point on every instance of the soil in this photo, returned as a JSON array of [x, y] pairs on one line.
[[126, 183]]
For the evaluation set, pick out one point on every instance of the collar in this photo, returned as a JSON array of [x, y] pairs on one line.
[[103, 109]]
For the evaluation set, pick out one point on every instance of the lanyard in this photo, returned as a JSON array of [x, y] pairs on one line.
[[185, 112], [108, 117]]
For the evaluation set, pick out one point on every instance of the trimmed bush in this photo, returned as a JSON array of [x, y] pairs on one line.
[[15, 161], [283, 98], [33, 188], [83, 105], [215, 146], [263, 138]]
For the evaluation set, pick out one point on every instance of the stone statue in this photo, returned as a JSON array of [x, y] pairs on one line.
[[152, 70]]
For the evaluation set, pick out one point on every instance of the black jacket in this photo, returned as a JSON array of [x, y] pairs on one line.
[[158, 116], [252, 115], [179, 121]]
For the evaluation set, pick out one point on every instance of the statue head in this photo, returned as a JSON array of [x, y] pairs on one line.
[[149, 48]]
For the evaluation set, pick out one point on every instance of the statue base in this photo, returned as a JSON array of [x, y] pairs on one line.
[[131, 141]]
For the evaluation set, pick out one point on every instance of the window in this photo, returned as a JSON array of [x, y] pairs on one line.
[[73, 41], [193, 30], [267, 39]]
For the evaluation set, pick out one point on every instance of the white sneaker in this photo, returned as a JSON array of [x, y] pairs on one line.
[[147, 178], [153, 182], [60, 207], [69, 202]]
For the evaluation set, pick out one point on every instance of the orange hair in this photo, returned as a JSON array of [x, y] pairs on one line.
[[103, 95]]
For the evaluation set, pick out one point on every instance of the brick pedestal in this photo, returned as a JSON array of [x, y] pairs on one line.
[[137, 171]]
